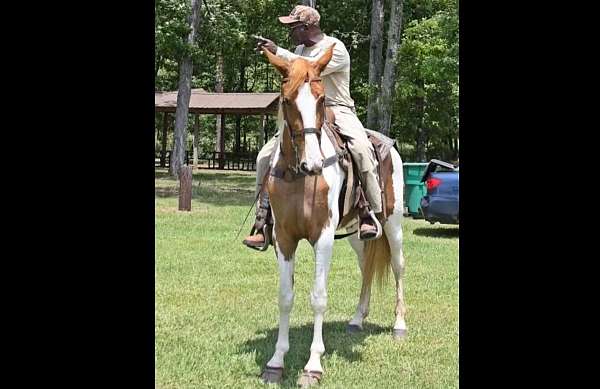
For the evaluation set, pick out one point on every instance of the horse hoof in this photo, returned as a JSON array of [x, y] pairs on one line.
[[353, 329], [309, 378], [272, 375], [400, 333]]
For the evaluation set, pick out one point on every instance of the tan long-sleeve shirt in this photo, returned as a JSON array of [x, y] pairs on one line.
[[336, 76]]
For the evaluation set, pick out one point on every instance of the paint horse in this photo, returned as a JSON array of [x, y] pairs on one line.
[[305, 206]]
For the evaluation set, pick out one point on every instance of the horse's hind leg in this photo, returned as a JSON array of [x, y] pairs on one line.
[[393, 229], [362, 310], [274, 370]]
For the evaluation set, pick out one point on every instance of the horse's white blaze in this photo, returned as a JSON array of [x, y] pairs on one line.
[[307, 105]]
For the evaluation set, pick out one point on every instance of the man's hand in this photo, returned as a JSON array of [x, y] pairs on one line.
[[264, 43]]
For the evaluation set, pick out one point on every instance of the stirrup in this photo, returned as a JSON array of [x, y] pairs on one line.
[[377, 226], [266, 231], [264, 223]]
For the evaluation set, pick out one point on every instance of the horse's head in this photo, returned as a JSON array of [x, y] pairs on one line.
[[303, 106]]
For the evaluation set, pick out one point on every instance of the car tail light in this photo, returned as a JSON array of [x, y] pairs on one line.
[[432, 183]]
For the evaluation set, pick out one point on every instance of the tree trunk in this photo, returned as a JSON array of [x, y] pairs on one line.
[[220, 138], [240, 88], [389, 72], [196, 138], [420, 150], [375, 63], [310, 3], [457, 148], [157, 67], [163, 150], [183, 95], [421, 136], [185, 188], [454, 148], [242, 81]]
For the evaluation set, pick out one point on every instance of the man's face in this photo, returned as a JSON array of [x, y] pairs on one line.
[[298, 33]]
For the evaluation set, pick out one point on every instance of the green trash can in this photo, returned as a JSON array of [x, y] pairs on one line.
[[414, 189]]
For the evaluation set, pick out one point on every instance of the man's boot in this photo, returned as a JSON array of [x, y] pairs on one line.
[[369, 226], [260, 235]]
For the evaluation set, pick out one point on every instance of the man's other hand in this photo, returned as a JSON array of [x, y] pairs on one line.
[[264, 43]]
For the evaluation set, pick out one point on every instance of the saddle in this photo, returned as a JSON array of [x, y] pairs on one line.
[[352, 200], [352, 197]]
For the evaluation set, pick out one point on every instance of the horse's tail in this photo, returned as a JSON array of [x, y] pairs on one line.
[[377, 260]]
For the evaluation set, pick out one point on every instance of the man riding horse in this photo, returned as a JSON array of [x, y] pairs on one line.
[[303, 22]]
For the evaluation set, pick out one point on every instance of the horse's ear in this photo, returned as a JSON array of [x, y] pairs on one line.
[[280, 64], [322, 62]]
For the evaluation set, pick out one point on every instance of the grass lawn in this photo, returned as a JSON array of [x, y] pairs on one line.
[[216, 314]]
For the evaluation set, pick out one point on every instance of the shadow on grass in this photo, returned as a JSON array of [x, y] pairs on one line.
[[437, 232], [336, 340], [217, 188]]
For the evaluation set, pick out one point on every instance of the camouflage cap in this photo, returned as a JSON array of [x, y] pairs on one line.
[[302, 13]]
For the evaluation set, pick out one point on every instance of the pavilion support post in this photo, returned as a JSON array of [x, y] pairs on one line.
[[238, 130], [266, 128], [245, 147], [220, 144], [263, 133], [196, 139], [173, 145], [163, 151]]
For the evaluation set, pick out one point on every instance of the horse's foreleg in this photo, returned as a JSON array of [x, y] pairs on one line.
[[362, 310], [286, 301], [323, 249], [393, 229]]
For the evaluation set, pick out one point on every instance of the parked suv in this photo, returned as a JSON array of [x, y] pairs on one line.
[[440, 204]]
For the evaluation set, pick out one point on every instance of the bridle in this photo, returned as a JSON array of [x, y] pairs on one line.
[[307, 130]]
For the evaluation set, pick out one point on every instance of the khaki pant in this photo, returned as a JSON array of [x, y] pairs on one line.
[[359, 146]]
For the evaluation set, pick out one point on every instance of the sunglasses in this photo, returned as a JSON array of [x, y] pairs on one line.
[[299, 25]]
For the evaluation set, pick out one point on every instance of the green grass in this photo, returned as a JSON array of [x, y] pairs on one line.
[[216, 301]]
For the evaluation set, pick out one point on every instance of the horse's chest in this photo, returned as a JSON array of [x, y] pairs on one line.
[[300, 207]]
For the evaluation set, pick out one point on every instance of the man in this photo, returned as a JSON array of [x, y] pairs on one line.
[[305, 32]]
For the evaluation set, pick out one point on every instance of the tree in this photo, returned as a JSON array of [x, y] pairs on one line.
[[184, 92], [170, 31], [375, 62], [427, 88], [389, 72], [426, 73], [220, 127]]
